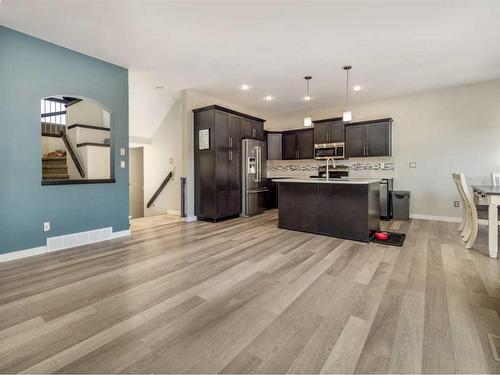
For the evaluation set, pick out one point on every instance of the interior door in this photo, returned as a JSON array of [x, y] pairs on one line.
[[289, 146], [378, 139], [355, 140], [305, 144]]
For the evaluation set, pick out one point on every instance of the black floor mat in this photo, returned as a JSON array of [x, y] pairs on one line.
[[395, 239]]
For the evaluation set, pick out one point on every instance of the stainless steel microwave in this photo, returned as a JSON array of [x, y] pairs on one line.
[[326, 150]]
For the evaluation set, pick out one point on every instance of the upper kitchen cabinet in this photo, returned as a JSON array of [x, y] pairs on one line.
[[227, 130], [329, 131], [274, 146], [298, 144], [252, 129], [369, 138]]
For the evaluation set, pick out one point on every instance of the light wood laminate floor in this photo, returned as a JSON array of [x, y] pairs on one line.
[[243, 296]]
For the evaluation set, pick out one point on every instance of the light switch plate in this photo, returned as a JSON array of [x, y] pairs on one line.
[[122, 164], [413, 164], [122, 151], [46, 226], [456, 204]]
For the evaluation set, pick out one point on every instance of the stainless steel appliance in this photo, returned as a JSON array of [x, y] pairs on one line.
[[254, 181], [386, 186], [323, 151], [338, 172]]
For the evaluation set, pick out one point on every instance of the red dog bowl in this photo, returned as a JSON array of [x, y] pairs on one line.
[[382, 236]]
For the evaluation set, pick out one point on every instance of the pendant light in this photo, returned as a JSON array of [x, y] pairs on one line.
[[307, 119], [347, 115]]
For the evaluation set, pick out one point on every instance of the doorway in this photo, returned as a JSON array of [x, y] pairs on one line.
[[136, 182]]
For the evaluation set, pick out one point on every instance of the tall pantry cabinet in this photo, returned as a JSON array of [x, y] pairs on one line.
[[218, 132]]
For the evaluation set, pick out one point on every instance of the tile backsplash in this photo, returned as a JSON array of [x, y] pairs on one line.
[[379, 167]]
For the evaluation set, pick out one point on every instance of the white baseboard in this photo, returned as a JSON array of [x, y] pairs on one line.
[[67, 241], [122, 233], [188, 219], [174, 212], [449, 219], [23, 253]]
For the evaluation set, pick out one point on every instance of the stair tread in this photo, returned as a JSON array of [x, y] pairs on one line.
[[55, 176], [48, 158]]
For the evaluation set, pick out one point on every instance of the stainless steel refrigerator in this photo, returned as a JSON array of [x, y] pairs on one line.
[[254, 181]]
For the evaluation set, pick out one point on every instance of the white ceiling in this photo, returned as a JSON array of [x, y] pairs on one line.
[[395, 47]]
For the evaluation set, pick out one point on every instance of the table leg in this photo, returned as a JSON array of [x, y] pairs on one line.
[[493, 230]]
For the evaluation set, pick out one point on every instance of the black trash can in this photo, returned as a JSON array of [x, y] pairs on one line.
[[400, 205]]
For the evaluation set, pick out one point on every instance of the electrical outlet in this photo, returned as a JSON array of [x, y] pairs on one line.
[[122, 151], [122, 164], [413, 164], [46, 226], [456, 204]]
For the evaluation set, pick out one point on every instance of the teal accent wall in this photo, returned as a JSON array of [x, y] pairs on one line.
[[31, 69]]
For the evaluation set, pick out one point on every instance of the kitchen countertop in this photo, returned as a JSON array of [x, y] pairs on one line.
[[353, 181]]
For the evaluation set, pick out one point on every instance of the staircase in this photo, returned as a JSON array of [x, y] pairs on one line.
[[54, 168]]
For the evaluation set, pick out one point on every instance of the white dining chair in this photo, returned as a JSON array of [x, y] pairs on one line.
[[456, 181], [474, 214], [495, 179]]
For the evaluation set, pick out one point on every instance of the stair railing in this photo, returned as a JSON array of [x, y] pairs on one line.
[[159, 190], [73, 154]]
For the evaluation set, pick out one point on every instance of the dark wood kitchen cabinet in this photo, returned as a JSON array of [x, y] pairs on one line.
[[252, 129], [298, 144], [217, 161], [329, 130], [369, 138]]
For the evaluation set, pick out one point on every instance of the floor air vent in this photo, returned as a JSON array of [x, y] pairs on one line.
[[78, 239]]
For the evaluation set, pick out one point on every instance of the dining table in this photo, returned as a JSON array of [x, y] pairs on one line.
[[491, 194]]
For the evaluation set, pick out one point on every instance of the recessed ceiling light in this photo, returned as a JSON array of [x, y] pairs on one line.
[[269, 98], [244, 86], [307, 98], [159, 88], [357, 88]]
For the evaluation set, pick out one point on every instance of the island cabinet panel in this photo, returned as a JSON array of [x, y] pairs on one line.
[[350, 211], [217, 160], [340, 208], [297, 203], [369, 138]]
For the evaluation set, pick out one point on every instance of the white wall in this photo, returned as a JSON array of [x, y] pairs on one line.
[[162, 153], [454, 129], [87, 113]]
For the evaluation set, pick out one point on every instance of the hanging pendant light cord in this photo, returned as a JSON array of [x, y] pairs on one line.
[[347, 90]]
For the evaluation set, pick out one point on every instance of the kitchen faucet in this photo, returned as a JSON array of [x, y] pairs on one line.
[[327, 163]]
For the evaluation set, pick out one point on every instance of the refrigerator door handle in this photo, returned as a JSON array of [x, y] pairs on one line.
[[257, 162]]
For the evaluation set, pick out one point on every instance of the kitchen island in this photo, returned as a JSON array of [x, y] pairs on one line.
[[345, 208]]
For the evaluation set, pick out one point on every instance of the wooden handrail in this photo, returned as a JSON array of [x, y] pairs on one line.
[[163, 184], [72, 153]]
